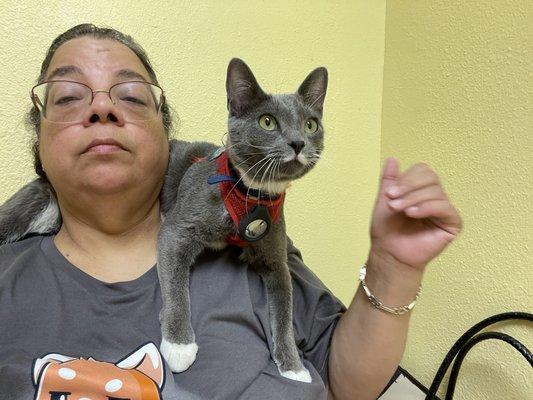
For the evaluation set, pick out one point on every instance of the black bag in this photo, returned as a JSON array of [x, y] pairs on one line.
[[403, 384], [468, 340]]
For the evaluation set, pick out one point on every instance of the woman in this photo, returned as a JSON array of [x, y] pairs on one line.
[[92, 290]]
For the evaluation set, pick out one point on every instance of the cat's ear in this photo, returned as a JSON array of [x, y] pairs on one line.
[[313, 89], [147, 360], [40, 363], [242, 88]]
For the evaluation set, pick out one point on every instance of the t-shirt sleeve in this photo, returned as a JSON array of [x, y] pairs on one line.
[[315, 314]]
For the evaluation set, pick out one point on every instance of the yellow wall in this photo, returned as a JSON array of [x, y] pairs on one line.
[[454, 90], [456, 96]]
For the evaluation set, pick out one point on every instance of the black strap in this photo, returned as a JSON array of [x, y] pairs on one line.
[[471, 343], [463, 341]]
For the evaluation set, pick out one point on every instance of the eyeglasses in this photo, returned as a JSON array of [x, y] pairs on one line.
[[68, 101]]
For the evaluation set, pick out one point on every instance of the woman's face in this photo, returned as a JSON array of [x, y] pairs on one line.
[[141, 157]]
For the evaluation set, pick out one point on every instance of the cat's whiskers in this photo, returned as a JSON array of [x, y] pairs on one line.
[[269, 181], [261, 181], [230, 146], [254, 145], [242, 162], [262, 177], [246, 144], [242, 144], [277, 168], [249, 187], [315, 157], [253, 154], [265, 174], [242, 175]]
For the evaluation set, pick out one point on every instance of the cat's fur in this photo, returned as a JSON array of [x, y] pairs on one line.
[[194, 214]]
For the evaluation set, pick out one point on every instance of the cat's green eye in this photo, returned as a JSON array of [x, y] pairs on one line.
[[267, 122], [310, 126]]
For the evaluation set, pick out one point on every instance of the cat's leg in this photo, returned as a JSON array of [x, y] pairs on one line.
[[32, 209], [270, 259], [177, 251]]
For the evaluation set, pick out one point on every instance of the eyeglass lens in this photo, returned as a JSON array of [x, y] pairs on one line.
[[63, 101]]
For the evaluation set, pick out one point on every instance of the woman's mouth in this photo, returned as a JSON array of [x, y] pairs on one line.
[[104, 146], [104, 149]]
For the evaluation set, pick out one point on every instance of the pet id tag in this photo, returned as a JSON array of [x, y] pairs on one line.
[[255, 225]]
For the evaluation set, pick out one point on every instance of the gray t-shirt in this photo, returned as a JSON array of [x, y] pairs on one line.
[[66, 335]]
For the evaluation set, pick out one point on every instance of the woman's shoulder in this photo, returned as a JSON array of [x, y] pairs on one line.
[[19, 252]]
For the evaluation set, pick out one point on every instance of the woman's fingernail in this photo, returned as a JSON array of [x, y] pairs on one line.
[[395, 203], [393, 191]]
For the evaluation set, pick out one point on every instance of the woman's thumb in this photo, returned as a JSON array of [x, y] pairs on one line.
[[390, 173]]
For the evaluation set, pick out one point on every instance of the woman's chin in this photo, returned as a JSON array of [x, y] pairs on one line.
[[109, 181]]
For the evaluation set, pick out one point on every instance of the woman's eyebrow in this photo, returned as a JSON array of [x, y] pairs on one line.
[[64, 70], [130, 74], [72, 69]]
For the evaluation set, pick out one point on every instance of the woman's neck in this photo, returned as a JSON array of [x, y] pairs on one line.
[[116, 245]]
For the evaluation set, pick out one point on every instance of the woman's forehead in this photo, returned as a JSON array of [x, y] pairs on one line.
[[88, 58]]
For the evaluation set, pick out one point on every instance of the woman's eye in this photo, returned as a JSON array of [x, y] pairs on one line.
[[310, 126], [267, 122], [66, 100], [135, 100]]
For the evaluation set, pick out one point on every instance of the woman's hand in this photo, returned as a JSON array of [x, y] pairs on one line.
[[407, 236]]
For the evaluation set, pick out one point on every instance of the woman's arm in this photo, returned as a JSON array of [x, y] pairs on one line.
[[368, 343]]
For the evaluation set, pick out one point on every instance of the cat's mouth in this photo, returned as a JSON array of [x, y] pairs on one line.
[[297, 159], [279, 169], [294, 167]]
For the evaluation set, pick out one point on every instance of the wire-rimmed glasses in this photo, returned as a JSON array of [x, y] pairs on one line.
[[68, 101]]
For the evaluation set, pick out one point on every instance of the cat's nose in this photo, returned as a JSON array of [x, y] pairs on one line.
[[297, 145]]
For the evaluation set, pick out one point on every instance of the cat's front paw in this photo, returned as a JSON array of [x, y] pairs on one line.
[[179, 356], [302, 375]]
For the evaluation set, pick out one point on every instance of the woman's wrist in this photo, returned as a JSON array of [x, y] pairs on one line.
[[393, 283]]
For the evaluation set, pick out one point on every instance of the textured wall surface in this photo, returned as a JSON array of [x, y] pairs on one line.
[[457, 95], [190, 44]]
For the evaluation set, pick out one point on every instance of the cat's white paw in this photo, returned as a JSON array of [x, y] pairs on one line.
[[302, 375], [179, 356]]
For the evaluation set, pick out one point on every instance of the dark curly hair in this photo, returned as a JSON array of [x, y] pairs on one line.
[[33, 118]]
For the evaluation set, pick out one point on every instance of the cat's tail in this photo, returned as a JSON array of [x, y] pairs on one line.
[[33, 209]]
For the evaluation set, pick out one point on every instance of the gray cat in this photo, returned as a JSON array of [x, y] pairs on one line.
[[218, 196]]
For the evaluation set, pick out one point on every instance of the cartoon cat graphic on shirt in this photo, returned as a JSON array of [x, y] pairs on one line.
[[272, 140], [140, 376]]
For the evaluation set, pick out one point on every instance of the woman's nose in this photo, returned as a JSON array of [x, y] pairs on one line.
[[103, 110]]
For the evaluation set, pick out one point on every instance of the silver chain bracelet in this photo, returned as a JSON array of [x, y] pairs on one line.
[[378, 304]]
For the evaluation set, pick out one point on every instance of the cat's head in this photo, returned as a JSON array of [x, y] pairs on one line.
[[274, 138]]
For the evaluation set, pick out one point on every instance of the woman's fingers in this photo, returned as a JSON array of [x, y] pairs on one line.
[[441, 212], [433, 192], [416, 177]]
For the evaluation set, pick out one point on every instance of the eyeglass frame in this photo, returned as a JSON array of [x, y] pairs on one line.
[[33, 96]]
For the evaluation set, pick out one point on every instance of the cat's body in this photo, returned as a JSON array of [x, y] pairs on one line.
[[273, 139], [31, 210]]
